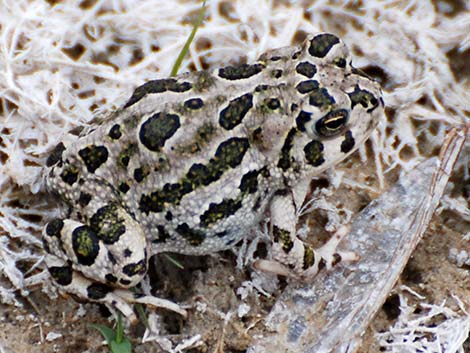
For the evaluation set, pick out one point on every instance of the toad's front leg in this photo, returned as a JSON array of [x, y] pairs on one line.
[[100, 260], [292, 256]]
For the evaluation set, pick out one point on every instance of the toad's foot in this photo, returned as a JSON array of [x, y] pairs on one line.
[[326, 257], [73, 282]]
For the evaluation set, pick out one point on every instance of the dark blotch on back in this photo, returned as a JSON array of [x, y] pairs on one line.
[[170, 193], [231, 151], [240, 71], [93, 156], [218, 211], [193, 103], [233, 114], [306, 69], [320, 98], [249, 182], [157, 129], [158, 86], [321, 44], [115, 132], [229, 154], [140, 174], [200, 174], [307, 86]]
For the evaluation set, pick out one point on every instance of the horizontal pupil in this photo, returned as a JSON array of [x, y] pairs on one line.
[[335, 123], [332, 123]]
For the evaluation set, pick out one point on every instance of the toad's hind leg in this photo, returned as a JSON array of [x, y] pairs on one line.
[[101, 259]]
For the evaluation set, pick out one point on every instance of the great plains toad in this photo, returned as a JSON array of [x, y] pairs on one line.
[[190, 165]]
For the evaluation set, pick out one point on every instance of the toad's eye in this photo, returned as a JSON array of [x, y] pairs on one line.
[[332, 123]]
